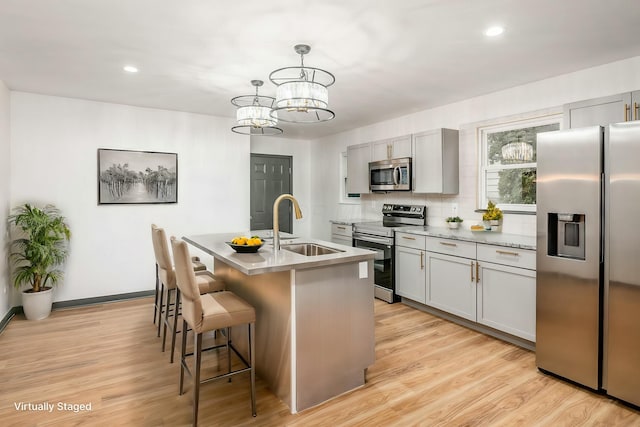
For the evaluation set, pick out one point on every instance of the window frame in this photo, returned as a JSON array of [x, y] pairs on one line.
[[484, 167]]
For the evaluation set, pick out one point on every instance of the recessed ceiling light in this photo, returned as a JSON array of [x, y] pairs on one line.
[[130, 69], [493, 31]]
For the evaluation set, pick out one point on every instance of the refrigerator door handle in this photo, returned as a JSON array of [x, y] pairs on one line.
[[603, 218]]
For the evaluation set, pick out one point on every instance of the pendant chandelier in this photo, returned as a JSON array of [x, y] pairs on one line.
[[302, 95], [521, 152], [254, 114]]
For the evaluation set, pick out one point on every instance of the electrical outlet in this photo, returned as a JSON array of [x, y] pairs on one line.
[[454, 209]]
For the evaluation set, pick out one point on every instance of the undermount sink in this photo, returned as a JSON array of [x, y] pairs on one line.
[[310, 249]]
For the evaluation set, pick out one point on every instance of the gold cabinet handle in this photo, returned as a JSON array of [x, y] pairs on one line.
[[627, 107], [448, 244], [472, 280], [408, 238], [507, 253], [421, 260], [477, 272], [635, 111], [341, 228]]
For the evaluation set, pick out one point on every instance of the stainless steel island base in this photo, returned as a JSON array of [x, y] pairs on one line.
[[314, 328]]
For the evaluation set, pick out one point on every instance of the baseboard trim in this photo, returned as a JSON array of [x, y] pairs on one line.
[[521, 342], [101, 300], [79, 303], [7, 318]]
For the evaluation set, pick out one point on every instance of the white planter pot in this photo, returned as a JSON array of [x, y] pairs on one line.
[[454, 225], [37, 305]]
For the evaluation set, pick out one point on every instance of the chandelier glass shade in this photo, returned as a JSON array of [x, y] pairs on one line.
[[302, 95], [254, 114], [520, 152]]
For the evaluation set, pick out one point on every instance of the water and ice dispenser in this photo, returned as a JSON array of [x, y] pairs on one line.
[[566, 235]]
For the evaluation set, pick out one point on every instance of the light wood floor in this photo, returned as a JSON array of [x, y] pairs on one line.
[[428, 372]]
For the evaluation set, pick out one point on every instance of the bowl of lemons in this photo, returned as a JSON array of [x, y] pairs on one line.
[[242, 244]]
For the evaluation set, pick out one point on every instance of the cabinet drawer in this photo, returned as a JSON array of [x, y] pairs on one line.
[[341, 230], [452, 247], [408, 240], [513, 257]]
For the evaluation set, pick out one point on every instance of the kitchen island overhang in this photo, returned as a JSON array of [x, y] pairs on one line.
[[315, 315]]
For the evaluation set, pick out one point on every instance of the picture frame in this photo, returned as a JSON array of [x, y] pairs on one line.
[[137, 177]]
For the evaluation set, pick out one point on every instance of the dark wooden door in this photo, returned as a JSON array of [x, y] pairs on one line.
[[270, 177]]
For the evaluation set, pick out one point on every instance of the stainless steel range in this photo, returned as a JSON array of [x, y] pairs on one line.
[[379, 236]]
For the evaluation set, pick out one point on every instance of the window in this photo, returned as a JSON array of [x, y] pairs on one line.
[[508, 162], [344, 196]]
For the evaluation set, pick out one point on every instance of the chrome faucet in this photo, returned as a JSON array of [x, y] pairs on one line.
[[276, 225]]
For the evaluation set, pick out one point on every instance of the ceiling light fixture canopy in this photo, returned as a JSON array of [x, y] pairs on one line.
[[302, 95], [254, 114]]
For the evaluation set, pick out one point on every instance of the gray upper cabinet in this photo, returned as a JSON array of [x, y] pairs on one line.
[[435, 162], [623, 107], [358, 158], [393, 148]]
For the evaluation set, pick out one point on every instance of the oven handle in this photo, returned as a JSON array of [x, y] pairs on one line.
[[371, 239]]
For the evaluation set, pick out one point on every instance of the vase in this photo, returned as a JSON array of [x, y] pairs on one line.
[[496, 225], [453, 225], [37, 305]]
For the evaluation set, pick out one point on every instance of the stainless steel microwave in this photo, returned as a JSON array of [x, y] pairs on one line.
[[390, 175]]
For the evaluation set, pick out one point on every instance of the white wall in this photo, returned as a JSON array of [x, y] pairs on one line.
[[5, 180], [300, 152], [54, 160], [547, 95]]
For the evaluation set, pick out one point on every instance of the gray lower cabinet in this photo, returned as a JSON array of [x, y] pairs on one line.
[[410, 263], [507, 299], [342, 234], [618, 108], [507, 290], [491, 285], [451, 286]]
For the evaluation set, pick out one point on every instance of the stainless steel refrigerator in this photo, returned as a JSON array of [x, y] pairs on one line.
[[588, 257]]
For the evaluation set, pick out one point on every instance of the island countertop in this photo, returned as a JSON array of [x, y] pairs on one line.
[[268, 261]]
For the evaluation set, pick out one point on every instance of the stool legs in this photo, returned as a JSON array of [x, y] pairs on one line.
[[197, 356], [155, 304], [197, 361], [175, 325], [160, 298], [166, 316], [183, 352]]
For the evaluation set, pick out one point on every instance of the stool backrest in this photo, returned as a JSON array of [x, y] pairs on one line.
[[186, 280], [163, 259]]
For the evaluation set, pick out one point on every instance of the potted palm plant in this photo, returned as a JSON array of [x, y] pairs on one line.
[[37, 252]]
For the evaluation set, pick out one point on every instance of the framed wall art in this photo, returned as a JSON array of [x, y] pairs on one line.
[[137, 177]]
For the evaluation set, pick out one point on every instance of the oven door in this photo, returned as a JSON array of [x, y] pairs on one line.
[[384, 280]]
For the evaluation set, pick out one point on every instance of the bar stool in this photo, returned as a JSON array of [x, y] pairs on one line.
[[210, 312], [205, 280], [157, 305]]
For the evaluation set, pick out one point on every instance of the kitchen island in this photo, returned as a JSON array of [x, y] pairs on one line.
[[314, 314]]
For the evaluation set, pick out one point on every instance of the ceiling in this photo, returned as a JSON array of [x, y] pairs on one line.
[[390, 58]]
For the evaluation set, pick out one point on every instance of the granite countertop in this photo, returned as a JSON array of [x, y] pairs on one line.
[[267, 261], [487, 237], [351, 221]]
